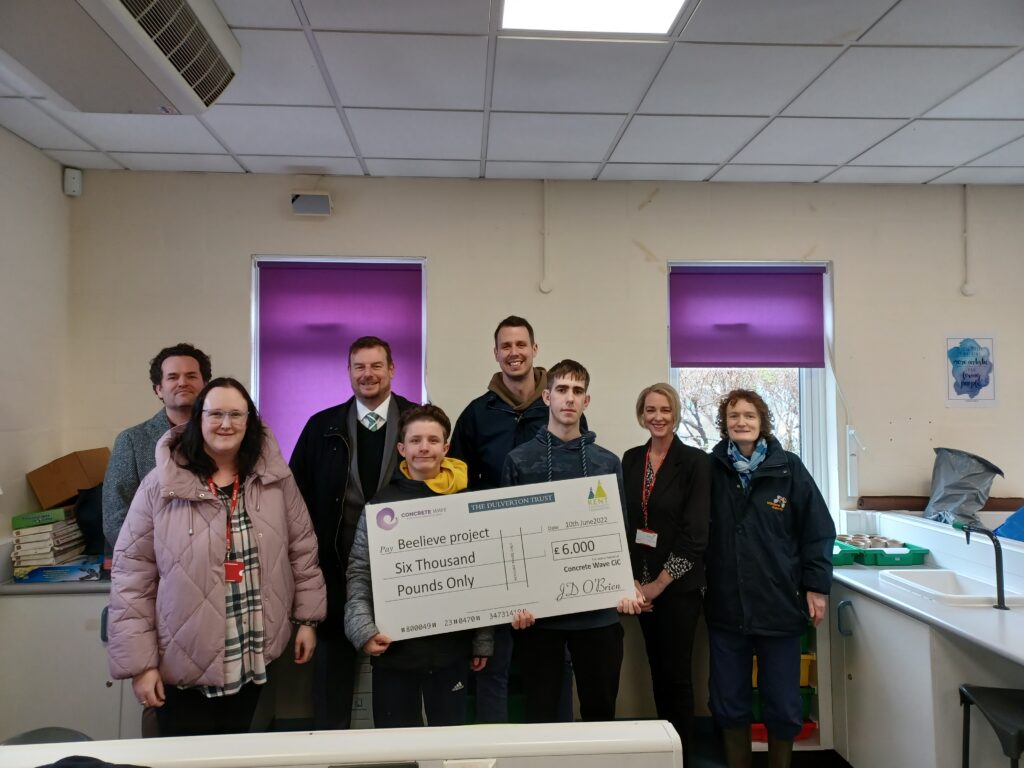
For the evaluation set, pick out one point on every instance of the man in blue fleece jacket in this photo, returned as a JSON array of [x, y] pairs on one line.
[[562, 451]]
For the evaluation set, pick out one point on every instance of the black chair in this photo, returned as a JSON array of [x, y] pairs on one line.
[[1004, 710]]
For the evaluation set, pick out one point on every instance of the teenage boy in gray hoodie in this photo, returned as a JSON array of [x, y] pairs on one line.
[[563, 451]]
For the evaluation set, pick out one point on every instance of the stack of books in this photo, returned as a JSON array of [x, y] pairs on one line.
[[50, 537]]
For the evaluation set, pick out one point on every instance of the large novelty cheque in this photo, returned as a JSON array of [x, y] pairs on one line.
[[447, 563]]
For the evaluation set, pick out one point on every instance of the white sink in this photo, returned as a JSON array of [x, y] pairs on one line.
[[949, 587]]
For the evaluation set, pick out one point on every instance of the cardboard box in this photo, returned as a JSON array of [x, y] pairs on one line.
[[58, 483]]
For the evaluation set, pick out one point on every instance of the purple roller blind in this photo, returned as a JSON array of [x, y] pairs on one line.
[[747, 317], [309, 314]]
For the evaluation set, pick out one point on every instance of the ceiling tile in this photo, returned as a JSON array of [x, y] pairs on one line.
[[174, 162], [883, 174], [406, 71], [805, 21], [892, 82], [982, 176], [467, 169], [497, 169], [78, 159], [452, 16], [297, 166], [772, 173], [25, 119], [315, 131], [422, 134], [561, 138], [655, 172], [1011, 154], [1000, 93], [272, 14], [824, 141], [277, 68], [942, 142], [733, 79], [545, 75], [650, 139], [144, 133], [951, 22]]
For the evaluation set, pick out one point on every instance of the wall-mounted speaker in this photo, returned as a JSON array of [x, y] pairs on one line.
[[311, 204], [72, 182]]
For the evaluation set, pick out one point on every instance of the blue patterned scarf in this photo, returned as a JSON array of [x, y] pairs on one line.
[[745, 467]]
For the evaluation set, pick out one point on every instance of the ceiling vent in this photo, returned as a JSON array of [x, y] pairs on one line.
[[123, 56]]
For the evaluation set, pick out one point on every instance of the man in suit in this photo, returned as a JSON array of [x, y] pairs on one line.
[[344, 455]]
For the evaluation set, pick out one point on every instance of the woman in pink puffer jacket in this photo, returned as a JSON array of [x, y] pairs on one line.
[[215, 563]]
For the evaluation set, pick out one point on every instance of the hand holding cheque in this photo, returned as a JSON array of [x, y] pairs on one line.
[[446, 563]]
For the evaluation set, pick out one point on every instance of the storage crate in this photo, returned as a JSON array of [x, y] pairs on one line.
[[805, 670], [758, 731], [915, 556], [806, 694], [846, 555]]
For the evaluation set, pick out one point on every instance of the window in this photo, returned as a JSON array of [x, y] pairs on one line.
[[761, 327], [701, 388], [307, 313]]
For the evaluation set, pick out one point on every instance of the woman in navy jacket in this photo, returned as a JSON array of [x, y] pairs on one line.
[[667, 487], [769, 573]]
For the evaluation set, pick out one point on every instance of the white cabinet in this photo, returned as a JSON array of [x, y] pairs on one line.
[[882, 679], [895, 682], [53, 668]]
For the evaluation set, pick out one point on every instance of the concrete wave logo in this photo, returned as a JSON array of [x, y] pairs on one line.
[[386, 519]]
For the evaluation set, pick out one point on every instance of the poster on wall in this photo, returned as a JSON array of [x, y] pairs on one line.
[[970, 371]]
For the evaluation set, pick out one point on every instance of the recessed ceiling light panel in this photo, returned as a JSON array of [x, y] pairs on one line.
[[653, 17]]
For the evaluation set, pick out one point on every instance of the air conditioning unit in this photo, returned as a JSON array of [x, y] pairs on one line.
[[123, 56]]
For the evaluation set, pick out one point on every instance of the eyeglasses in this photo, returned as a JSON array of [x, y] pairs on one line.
[[235, 417]]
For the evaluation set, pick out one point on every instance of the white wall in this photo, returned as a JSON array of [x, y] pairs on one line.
[[158, 258], [165, 257], [35, 257]]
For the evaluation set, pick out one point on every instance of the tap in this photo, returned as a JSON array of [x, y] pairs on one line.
[[968, 529]]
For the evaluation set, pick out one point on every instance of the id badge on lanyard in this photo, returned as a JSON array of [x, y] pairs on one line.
[[234, 570], [645, 537]]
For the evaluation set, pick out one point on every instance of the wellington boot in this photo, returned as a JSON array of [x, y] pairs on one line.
[[780, 752], [737, 747]]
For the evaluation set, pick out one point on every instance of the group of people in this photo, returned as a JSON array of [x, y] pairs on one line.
[[223, 552]]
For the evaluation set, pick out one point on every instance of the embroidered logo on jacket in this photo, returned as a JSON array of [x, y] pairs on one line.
[[778, 503]]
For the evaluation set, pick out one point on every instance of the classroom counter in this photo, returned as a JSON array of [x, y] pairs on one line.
[[997, 631]]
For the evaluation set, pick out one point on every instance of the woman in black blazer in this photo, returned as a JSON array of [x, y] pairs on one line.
[[668, 497]]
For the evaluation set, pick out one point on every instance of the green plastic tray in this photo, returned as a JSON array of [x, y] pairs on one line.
[[915, 556], [846, 555]]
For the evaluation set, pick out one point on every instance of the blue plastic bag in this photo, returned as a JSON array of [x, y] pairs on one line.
[[1013, 528]]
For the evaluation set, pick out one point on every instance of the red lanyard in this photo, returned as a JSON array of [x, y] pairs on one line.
[[649, 475], [231, 507]]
